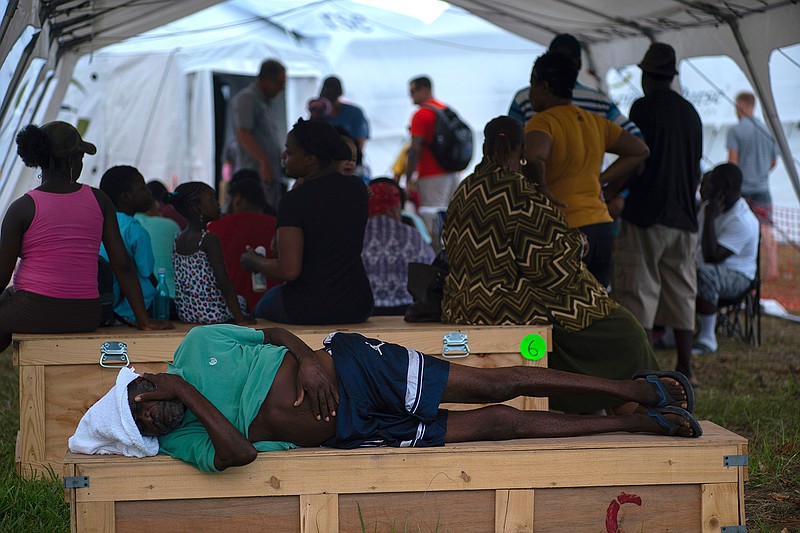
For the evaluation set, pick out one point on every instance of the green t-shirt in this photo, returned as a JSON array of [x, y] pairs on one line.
[[233, 368]]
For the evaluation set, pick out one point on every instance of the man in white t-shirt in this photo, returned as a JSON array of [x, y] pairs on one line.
[[728, 249]]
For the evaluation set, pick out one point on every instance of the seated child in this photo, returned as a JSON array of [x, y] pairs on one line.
[[125, 186], [203, 292]]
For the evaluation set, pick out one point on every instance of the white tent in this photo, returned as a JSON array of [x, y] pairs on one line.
[[41, 43]]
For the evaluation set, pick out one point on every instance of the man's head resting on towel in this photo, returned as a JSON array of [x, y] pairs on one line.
[[153, 417]]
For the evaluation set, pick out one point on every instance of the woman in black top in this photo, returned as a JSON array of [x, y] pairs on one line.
[[320, 234]]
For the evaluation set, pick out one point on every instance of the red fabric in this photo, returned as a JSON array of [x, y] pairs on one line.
[[383, 197], [422, 125], [236, 232]]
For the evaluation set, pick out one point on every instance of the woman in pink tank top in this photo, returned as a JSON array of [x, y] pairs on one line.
[[55, 230]]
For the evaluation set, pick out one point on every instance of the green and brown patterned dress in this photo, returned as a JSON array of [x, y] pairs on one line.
[[514, 260]]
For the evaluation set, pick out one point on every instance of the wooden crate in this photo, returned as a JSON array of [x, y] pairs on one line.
[[565, 484], [60, 376]]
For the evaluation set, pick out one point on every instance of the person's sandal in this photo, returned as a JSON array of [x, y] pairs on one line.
[[670, 429], [653, 377]]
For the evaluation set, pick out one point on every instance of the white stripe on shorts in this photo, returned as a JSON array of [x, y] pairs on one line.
[[414, 377]]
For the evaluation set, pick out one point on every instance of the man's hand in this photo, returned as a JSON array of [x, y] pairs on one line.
[[168, 387], [322, 393], [715, 205], [265, 171]]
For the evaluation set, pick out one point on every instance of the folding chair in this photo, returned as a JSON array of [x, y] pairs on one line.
[[741, 316]]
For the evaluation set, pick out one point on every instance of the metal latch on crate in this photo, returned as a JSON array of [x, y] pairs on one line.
[[733, 529], [735, 460], [76, 482], [455, 345], [114, 354]]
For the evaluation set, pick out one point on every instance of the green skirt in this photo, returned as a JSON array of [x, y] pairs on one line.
[[613, 347]]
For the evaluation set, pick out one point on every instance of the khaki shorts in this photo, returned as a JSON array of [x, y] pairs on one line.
[[655, 275]]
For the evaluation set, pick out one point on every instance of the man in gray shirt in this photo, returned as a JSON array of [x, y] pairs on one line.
[[259, 132], [751, 146]]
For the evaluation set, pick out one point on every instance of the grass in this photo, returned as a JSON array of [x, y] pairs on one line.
[[753, 392]]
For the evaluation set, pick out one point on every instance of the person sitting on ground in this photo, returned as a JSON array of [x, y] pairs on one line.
[[267, 390], [728, 249], [513, 259], [55, 230], [389, 246], [162, 231], [320, 236], [564, 148], [127, 190], [245, 225], [203, 292], [158, 190]]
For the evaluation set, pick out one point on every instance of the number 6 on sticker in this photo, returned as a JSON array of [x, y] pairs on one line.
[[533, 347]]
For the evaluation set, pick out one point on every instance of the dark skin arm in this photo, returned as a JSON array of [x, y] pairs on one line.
[[231, 447], [213, 249], [538, 146], [16, 222], [712, 251], [289, 263], [123, 266], [631, 151], [249, 143], [323, 393]]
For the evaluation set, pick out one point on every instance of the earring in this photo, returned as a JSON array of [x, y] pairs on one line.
[[523, 161]]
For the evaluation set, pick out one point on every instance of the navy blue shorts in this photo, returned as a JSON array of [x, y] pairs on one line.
[[389, 395]]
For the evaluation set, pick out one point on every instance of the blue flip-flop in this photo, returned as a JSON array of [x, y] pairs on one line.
[[653, 376], [671, 429]]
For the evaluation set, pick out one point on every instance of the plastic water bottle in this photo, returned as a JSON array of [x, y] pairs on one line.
[[161, 303], [259, 280]]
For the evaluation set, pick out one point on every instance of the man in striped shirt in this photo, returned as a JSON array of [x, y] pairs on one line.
[[582, 96]]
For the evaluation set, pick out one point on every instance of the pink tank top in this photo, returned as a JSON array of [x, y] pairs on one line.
[[58, 257]]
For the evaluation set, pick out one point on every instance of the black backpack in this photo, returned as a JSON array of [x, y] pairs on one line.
[[452, 140]]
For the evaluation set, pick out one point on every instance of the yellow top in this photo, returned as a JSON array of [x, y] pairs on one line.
[[580, 139]]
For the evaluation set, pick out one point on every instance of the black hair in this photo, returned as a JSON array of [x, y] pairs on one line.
[[251, 190], [422, 81], [558, 71], [331, 88], [502, 137], [346, 136], [33, 146], [658, 77], [271, 69], [245, 174], [185, 196], [730, 177], [320, 139], [566, 44], [172, 410], [118, 180], [157, 189], [384, 179]]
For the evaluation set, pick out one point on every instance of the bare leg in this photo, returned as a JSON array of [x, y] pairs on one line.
[[769, 259], [500, 422], [489, 385]]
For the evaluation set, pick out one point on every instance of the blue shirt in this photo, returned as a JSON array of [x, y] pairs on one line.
[[137, 242], [756, 149], [352, 120]]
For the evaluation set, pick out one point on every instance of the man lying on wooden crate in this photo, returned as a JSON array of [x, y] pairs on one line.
[[231, 393]]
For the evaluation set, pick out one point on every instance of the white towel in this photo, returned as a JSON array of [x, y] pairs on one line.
[[108, 426]]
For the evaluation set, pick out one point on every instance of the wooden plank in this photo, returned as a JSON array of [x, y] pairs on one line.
[[743, 477], [69, 392], [94, 517], [644, 509], [514, 511], [319, 513], [461, 512], [235, 515], [719, 506], [32, 414], [429, 469], [159, 346]]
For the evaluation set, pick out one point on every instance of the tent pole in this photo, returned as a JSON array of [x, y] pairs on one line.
[[771, 112], [7, 16]]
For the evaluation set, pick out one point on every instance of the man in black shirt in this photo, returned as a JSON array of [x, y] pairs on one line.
[[655, 270]]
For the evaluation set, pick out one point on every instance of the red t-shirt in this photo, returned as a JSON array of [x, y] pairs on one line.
[[237, 231], [422, 125]]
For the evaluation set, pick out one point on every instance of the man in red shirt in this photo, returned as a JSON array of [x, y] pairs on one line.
[[434, 184]]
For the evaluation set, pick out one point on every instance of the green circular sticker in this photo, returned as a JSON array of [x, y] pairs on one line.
[[533, 347]]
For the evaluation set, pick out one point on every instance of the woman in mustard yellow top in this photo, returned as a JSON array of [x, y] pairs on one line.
[[564, 147]]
